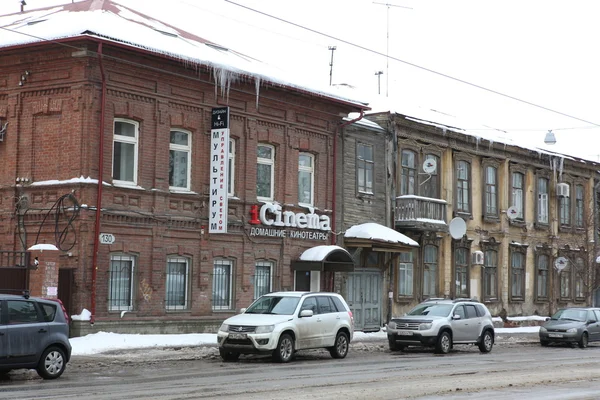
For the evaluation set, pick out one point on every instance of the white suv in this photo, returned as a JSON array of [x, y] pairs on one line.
[[281, 323], [442, 323]]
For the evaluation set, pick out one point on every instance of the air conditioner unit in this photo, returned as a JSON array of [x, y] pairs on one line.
[[562, 190], [477, 258]]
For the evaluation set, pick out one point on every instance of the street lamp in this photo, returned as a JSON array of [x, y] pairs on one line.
[[550, 138]]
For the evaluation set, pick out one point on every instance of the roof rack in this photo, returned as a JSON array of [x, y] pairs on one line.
[[23, 292], [464, 299], [434, 299]]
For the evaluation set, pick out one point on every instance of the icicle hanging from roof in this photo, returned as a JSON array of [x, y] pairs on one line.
[[223, 79], [257, 84]]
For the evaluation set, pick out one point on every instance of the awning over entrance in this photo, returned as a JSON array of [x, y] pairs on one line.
[[324, 258], [378, 238]]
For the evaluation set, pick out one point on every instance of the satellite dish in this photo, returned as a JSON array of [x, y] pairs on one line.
[[429, 165], [512, 212], [561, 263], [457, 228]]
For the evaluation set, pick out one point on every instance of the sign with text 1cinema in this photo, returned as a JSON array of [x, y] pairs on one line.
[[219, 161]]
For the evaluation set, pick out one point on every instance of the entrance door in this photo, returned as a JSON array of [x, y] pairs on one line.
[[65, 284], [364, 299]]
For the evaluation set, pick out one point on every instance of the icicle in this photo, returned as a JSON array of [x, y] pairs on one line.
[[560, 168], [257, 85]]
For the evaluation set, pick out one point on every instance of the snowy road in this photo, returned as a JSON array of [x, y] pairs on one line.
[[370, 371]]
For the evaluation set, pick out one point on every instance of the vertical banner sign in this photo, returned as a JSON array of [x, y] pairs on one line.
[[219, 163]]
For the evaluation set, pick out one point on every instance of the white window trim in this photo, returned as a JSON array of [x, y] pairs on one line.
[[271, 162], [127, 139], [187, 280], [311, 171], [185, 149], [268, 264], [231, 169]]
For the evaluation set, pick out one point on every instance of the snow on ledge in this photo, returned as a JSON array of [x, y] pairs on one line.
[[42, 247], [374, 231]]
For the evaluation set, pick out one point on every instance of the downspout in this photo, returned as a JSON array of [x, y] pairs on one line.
[[100, 180], [333, 187]]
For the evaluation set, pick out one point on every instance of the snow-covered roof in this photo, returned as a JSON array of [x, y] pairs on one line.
[[373, 231], [111, 21], [320, 253]]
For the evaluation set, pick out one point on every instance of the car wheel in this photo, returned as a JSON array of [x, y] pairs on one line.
[[583, 342], [52, 363], [284, 352], [228, 355], [340, 348], [487, 342], [544, 343], [444, 343]]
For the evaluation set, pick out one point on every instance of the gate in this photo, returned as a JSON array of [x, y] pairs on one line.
[[364, 299], [14, 271]]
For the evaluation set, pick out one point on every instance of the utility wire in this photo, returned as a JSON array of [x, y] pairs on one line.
[[412, 64]]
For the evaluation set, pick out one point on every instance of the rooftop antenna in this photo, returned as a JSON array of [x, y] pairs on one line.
[[387, 51], [378, 73], [332, 48], [23, 4]]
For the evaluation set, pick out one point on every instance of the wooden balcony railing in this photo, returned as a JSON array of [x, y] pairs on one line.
[[421, 213]]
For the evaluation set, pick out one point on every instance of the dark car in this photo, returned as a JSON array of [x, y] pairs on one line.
[[34, 334], [574, 325]]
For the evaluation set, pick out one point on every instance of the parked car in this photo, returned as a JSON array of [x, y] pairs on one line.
[[442, 323], [574, 325], [34, 334], [282, 323]]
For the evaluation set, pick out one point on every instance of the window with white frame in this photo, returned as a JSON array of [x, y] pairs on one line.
[[461, 272], [579, 223], [265, 172], [125, 151], [430, 261], [263, 278], [564, 210], [517, 274], [542, 267], [306, 179], [176, 297], [491, 191], [490, 275], [405, 274], [542, 205], [222, 287], [409, 172], [231, 169], [180, 149], [364, 168], [518, 194], [580, 273], [120, 282], [463, 186]]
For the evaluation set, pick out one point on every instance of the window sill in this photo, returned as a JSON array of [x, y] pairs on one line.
[[463, 215], [181, 191], [125, 185], [517, 222], [405, 300], [491, 218], [517, 300], [541, 226]]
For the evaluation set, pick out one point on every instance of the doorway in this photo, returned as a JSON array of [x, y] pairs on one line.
[[364, 299]]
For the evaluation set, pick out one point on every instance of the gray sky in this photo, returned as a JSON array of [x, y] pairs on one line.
[[538, 52]]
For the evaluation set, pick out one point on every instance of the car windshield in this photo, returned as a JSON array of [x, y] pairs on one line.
[[570, 315], [438, 310], [274, 305]]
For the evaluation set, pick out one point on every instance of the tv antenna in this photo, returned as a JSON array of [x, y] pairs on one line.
[[387, 51], [378, 73], [332, 49]]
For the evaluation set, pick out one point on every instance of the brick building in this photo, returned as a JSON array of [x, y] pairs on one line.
[[107, 156]]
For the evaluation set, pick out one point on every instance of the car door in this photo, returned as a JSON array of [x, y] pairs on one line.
[[593, 326], [474, 321], [329, 320], [3, 337], [460, 325], [309, 328], [25, 331]]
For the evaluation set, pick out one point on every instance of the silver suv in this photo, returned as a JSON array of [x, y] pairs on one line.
[[281, 323], [34, 333], [441, 323]]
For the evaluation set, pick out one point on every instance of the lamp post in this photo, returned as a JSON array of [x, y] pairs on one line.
[[550, 138], [378, 73]]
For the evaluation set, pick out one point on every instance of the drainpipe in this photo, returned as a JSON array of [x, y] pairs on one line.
[[333, 188], [100, 180]]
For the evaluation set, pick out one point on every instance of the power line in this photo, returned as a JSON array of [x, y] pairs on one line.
[[415, 65]]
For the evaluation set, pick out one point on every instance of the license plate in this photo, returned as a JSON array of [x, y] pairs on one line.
[[557, 335], [405, 333], [237, 336]]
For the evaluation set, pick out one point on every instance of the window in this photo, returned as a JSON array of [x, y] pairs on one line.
[[580, 273], [120, 282], [405, 274], [21, 312], [265, 163], [463, 177], [430, 270], [222, 287], [177, 283], [490, 275], [231, 169], [125, 151], [407, 179], [565, 283], [364, 168], [179, 160], [518, 194], [262, 278], [461, 272], [491, 191], [430, 186], [542, 282], [579, 206], [542, 204], [564, 209], [517, 274], [306, 180]]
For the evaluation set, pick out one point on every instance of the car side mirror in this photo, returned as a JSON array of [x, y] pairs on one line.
[[456, 317], [306, 313]]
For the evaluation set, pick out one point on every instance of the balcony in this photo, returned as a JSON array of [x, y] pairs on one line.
[[421, 213]]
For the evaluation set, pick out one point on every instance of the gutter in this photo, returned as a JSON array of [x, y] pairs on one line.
[[100, 180]]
